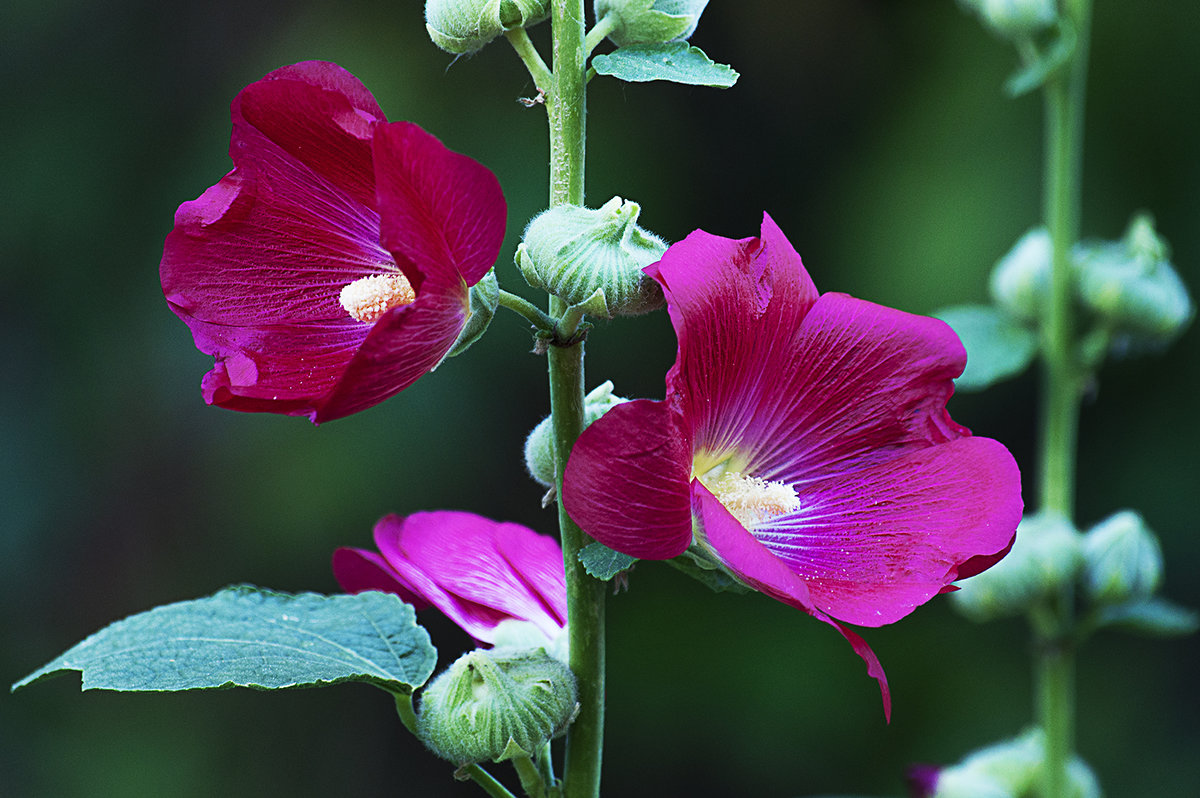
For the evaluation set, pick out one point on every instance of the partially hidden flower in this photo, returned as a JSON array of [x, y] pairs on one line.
[[803, 445], [333, 266], [501, 582]]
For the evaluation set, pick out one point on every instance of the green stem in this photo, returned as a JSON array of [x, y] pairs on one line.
[[523, 307], [566, 108], [599, 33], [487, 781], [531, 778], [531, 58], [1055, 664], [404, 708]]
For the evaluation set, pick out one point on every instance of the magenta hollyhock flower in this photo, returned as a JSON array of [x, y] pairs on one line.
[[803, 445], [480, 573], [331, 268]]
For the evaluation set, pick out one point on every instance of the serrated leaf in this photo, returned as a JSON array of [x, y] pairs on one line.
[[1154, 617], [997, 346], [602, 562], [676, 61], [245, 636]]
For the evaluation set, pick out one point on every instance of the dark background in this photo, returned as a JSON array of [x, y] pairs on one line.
[[877, 136]]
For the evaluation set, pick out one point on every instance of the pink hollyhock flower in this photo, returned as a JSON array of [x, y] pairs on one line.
[[484, 575], [331, 268], [803, 445]]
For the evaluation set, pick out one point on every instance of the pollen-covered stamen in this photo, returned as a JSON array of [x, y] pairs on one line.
[[368, 298], [752, 500]]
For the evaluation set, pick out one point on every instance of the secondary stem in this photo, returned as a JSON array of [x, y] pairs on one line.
[[565, 106], [1055, 659]]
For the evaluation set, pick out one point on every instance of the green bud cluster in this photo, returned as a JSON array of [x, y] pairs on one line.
[[539, 446], [1011, 769], [650, 21], [1127, 290], [497, 705], [593, 259], [464, 26], [1014, 19], [1047, 554]]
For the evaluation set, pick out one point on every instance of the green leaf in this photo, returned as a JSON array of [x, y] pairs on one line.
[[676, 61], [245, 636], [997, 346], [602, 562], [1153, 617]]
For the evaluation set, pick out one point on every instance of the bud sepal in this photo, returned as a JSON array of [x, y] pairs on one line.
[[649, 21]]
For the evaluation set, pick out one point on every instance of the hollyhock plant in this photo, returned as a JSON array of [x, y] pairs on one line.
[[500, 582], [332, 267], [803, 444]]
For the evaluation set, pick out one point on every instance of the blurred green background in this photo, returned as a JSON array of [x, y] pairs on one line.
[[877, 136]]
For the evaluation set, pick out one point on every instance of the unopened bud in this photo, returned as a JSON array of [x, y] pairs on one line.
[[650, 21], [1047, 554], [539, 446], [496, 705], [1133, 289], [464, 26], [1122, 559], [593, 259]]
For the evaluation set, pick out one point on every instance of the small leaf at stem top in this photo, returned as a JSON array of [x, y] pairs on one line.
[[675, 61], [244, 636]]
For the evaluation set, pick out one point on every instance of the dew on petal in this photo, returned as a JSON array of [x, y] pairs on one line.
[[752, 500], [368, 298]]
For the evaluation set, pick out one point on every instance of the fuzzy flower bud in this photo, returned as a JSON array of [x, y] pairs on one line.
[[1047, 554], [1021, 279], [1132, 286], [496, 705], [650, 21], [539, 446], [1122, 559], [1013, 19], [593, 259], [464, 26]]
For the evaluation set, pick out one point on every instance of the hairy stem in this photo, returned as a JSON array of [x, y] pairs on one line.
[[566, 108]]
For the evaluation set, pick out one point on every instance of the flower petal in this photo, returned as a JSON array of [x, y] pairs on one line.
[[857, 384], [759, 568], [357, 570], [873, 544], [733, 305], [442, 212], [626, 482], [538, 561], [452, 560]]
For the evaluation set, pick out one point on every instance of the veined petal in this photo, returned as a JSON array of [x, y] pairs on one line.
[[874, 543], [452, 559], [357, 570], [733, 304], [537, 561], [441, 212], [857, 383], [759, 568], [626, 482]]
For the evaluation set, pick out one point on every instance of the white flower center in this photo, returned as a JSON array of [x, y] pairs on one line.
[[751, 500], [368, 298]]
